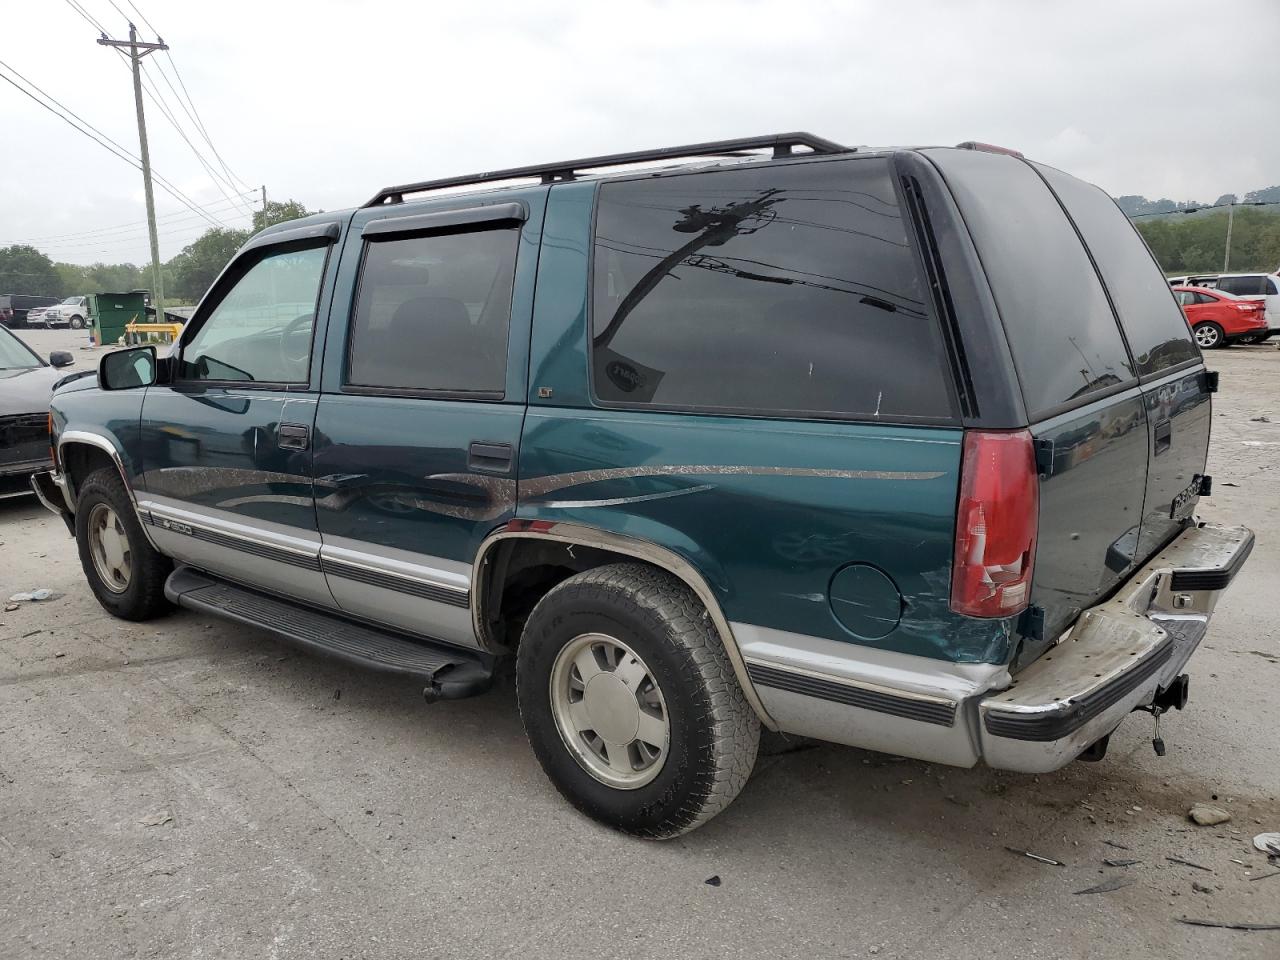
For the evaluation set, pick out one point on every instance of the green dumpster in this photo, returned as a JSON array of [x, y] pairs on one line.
[[112, 312]]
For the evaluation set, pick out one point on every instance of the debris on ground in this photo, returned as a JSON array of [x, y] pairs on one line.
[[1119, 862], [1259, 419], [1036, 857], [10, 607], [1207, 815], [1200, 887], [1268, 843], [713, 880], [1228, 926], [40, 593], [1118, 846], [157, 819], [1106, 886], [1188, 863]]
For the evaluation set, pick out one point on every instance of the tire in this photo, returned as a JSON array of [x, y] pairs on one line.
[[129, 579], [677, 671], [1209, 336], [77, 323]]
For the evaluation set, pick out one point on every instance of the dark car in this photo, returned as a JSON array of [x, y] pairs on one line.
[[14, 308], [26, 382], [899, 449]]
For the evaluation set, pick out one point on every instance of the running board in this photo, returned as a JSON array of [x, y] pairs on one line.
[[450, 673]]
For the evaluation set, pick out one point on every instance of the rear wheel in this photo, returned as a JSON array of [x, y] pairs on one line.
[[1209, 335], [630, 702], [77, 323], [124, 571]]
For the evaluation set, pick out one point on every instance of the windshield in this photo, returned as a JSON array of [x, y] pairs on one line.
[[71, 300], [14, 354]]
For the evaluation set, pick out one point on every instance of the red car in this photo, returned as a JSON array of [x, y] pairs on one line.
[[1219, 318]]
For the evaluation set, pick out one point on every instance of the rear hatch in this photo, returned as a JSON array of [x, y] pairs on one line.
[[1113, 385]]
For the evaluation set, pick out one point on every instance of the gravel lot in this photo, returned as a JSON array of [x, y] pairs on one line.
[[191, 788]]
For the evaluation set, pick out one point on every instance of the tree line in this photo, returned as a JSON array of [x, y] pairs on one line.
[[1196, 243], [24, 269]]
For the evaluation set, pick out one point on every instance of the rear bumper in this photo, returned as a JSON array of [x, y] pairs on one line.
[[1116, 658], [15, 477]]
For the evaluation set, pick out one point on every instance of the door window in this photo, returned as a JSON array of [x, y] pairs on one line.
[[260, 331], [432, 314], [779, 289]]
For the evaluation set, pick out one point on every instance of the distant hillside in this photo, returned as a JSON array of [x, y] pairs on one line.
[[1136, 206]]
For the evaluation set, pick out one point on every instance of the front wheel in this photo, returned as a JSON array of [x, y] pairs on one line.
[[124, 571], [1209, 336], [631, 704]]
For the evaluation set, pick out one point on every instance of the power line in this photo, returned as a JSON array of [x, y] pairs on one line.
[[85, 14], [106, 243], [105, 232], [98, 136], [1207, 206]]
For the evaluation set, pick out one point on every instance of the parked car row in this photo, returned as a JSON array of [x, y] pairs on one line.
[[18, 311], [1214, 305]]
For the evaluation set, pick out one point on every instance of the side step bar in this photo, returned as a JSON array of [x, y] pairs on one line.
[[450, 673]]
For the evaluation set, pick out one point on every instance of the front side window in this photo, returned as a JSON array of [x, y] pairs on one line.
[[771, 289], [432, 313], [260, 331], [1156, 328]]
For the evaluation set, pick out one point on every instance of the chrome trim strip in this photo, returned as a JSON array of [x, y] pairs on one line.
[[246, 544], [910, 706], [294, 547], [572, 533], [413, 586]]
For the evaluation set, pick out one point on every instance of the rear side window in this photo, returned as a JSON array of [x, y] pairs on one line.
[[778, 289], [1157, 332], [1273, 289], [432, 313], [1063, 335], [1243, 286]]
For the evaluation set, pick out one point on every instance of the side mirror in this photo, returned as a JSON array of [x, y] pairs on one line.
[[125, 369], [61, 358]]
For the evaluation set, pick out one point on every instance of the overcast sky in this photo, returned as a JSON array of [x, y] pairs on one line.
[[325, 101]]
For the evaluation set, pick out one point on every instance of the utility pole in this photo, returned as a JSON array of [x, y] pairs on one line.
[[138, 50], [1231, 216], [264, 206]]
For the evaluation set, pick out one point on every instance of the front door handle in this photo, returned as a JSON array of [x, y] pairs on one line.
[[490, 457], [293, 436], [1164, 436]]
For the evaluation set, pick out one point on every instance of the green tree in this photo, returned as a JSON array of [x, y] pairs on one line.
[[199, 263], [24, 269], [279, 213]]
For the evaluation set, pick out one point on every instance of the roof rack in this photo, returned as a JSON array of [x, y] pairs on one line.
[[781, 143]]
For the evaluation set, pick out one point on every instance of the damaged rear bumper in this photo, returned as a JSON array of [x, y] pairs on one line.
[[1116, 658]]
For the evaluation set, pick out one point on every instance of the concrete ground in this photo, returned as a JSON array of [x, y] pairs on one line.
[[189, 788]]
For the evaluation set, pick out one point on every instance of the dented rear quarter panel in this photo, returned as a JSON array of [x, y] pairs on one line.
[[768, 510]]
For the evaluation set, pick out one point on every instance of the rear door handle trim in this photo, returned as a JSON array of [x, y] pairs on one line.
[[487, 457]]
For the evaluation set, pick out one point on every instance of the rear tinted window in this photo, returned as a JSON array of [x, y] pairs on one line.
[[1063, 335], [1157, 331], [773, 289], [1243, 286]]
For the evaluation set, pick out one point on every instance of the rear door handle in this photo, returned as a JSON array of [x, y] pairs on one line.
[[489, 457], [293, 436], [1164, 436]]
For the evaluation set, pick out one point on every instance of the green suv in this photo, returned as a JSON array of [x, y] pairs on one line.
[[897, 449]]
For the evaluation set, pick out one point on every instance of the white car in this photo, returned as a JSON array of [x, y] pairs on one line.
[[71, 312], [1263, 288]]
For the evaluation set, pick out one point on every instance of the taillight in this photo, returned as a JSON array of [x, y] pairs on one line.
[[996, 522]]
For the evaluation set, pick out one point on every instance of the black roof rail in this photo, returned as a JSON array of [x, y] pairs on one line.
[[781, 143]]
